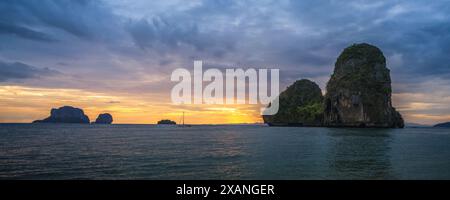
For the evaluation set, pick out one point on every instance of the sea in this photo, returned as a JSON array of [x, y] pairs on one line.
[[224, 152]]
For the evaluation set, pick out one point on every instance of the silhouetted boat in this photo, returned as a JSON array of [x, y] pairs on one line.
[[182, 122]]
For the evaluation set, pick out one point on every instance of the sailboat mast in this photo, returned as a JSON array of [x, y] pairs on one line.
[[183, 118]]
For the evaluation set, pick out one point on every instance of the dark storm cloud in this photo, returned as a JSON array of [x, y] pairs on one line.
[[175, 35], [416, 31], [24, 32], [161, 34], [131, 47], [80, 18], [17, 70], [302, 38]]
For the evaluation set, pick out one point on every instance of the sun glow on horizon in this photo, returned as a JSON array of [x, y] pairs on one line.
[[26, 104], [22, 104]]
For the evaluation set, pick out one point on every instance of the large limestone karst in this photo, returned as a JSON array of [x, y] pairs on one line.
[[65, 114], [299, 105], [359, 91]]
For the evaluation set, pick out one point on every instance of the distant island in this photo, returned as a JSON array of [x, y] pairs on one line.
[[167, 121], [443, 125], [104, 118], [69, 114], [416, 125], [66, 114], [358, 95]]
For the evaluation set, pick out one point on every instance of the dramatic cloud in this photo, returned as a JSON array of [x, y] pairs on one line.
[[169, 36], [80, 18], [124, 46], [17, 70], [24, 33]]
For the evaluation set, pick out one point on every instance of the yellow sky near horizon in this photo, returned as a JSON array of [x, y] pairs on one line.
[[25, 104]]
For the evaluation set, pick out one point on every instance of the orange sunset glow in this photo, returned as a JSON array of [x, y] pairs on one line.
[[26, 104], [118, 56]]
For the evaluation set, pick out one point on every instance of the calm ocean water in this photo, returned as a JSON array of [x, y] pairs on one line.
[[72, 151]]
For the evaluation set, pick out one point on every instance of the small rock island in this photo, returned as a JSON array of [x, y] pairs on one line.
[[104, 118], [358, 95], [66, 114], [442, 125], [167, 121]]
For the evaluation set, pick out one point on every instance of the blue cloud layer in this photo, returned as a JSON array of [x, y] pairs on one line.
[[101, 41], [16, 71]]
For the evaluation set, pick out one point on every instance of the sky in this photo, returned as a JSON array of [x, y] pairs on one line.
[[116, 56]]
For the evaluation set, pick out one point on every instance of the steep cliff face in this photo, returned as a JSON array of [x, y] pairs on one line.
[[299, 105], [359, 91], [65, 114]]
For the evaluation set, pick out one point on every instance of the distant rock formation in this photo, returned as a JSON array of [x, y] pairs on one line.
[[443, 125], [65, 114], [166, 121], [416, 125], [359, 91], [299, 105], [104, 118]]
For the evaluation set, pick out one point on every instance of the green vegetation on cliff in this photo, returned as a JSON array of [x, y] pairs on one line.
[[300, 104], [359, 91], [358, 95]]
